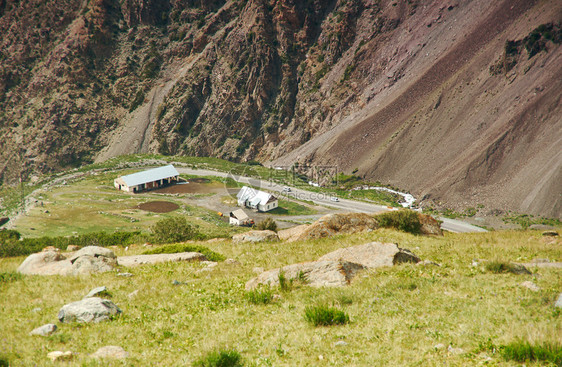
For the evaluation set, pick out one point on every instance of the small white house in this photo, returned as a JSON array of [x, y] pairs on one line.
[[146, 180], [239, 218], [256, 199]]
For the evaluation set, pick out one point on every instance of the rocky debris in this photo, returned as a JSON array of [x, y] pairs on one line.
[[44, 330], [556, 265], [330, 225], [427, 263], [314, 273], [430, 225], [340, 343], [256, 236], [58, 355], [373, 255], [558, 302], [530, 286], [519, 269], [453, 350], [96, 292], [231, 262], [111, 352], [158, 258], [72, 248], [91, 259], [93, 309], [550, 233], [125, 275]]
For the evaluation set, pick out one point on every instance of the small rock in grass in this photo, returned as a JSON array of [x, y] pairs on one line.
[[176, 282], [530, 286], [439, 346], [126, 275], [559, 301], [110, 351], [60, 356], [550, 233], [519, 269], [340, 343], [44, 330], [96, 292], [231, 262], [36, 309], [427, 263], [93, 309], [133, 293], [258, 270], [455, 350]]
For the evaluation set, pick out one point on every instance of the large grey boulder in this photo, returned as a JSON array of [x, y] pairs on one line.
[[98, 291], [373, 255], [314, 273], [93, 309], [158, 258], [91, 259], [256, 236]]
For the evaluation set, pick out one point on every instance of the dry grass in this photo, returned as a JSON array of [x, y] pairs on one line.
[[398, 314]]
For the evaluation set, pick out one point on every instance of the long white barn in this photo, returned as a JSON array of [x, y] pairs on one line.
[[146, 180], [255, 199]]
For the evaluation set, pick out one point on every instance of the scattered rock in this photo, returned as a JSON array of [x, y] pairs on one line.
[[452, 350], [60, 356], [158, 258], [519, 269], [439, 346], [373, 255], [315, 273], [340, 343], [550, 233], [558, 302], [91, 259], [530, 285], [427, 263], [50, 248], [133, 293], [93, 309], [36, 309], [110, 351], [99, 291], [44, 330], [231, 262], [256, 236], [126, 275], [177, 282], [72, 248]]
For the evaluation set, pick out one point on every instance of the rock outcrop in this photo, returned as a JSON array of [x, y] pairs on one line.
[[92, 309], [135, 260], [44, 330], [373, 255], [110, 352], [330, 225], [256, 236]]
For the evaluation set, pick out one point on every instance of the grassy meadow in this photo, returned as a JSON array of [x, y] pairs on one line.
[[406, 315]]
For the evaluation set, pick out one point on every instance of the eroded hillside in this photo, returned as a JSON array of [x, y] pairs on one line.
[[426, 95]]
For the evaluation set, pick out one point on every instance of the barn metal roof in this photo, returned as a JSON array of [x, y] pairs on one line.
[[254, 197], [150, 175]]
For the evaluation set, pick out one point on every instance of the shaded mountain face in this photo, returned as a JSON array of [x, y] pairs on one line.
[[457, 102]]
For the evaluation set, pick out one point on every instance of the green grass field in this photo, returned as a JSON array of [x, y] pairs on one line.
[[398, 316]]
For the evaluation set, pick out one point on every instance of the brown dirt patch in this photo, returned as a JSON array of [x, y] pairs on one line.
[[158, 206]]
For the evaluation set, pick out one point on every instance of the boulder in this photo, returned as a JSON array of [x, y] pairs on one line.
[[93, 309], [158, 258], [256, 236], [330, 225], [314, 273], [96, 292], [60, 356], [550, 233], [111, 352], [44, 330], [373, 255], [430, 225], [91, 259]]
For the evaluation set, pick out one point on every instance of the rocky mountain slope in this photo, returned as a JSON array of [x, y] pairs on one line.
[[457, 101]]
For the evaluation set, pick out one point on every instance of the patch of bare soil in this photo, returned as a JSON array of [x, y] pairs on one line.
[[158, 206]]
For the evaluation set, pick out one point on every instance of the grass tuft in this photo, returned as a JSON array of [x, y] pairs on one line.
[[220, 358], [260, 296], [325, 316], [501, 267], [180, 247], [523, 351], [10, 276], [403, 220]]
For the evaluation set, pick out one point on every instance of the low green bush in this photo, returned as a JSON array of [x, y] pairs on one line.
[[403, 220], [10, 276], [260, 296], [220, 358], [267, 224], [325, 316], [523, 351], [180, 247], [174, 229], [500, 267]]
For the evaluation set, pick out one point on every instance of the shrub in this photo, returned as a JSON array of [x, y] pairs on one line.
[[10, 276], [176, 248], [267, 224], [174, 229], [404, 220], [4, 362], [523, 351], [325, 316], [260, 296], [220, 358]]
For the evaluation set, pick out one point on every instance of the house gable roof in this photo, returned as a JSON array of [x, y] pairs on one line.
[[150, 175], [255, 197]]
